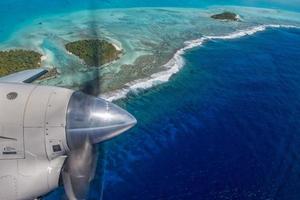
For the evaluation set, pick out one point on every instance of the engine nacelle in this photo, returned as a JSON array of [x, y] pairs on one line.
[[32, 139], [40, 126]]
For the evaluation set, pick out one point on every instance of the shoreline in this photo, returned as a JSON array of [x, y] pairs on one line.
[[175, 64], [142, 72]]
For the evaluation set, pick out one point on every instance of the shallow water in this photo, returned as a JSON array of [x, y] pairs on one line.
[[149, 38]]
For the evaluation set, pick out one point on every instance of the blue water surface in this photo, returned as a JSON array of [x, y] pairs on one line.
[[226, 127]]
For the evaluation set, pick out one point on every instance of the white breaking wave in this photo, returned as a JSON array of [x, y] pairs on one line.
[[249, 31], [177, 62]]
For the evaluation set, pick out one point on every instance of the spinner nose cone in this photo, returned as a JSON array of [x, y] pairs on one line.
[[96, 118], [110, 122]]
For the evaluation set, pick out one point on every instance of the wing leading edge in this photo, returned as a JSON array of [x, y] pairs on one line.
[[26, 76]]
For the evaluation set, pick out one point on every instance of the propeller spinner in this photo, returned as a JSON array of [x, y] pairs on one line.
[[90, 120]]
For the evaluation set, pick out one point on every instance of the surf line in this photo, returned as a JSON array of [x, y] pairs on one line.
[[174, 65]]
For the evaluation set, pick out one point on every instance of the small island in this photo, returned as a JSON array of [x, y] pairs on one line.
[[94, 52], [12, 61], [229, 16]]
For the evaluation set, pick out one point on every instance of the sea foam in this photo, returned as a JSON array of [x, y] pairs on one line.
[[177, 62]]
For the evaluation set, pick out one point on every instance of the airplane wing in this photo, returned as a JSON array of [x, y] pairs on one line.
[[26, 76]]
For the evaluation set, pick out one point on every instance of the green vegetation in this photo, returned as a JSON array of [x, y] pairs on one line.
[[18, 60], [226, 16], [94, 52]]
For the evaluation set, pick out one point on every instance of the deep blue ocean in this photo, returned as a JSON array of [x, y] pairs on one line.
[[226, 127]]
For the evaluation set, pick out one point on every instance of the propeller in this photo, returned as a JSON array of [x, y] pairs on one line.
[[78, 170], [90, 121]]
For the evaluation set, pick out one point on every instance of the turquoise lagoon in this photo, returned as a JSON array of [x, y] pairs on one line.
[[152, 39]]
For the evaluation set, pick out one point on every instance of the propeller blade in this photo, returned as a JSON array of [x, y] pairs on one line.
[[90, 120], [79, 170], [93, 86]]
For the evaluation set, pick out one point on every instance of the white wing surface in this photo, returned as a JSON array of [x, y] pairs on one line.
[[26, 76]]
